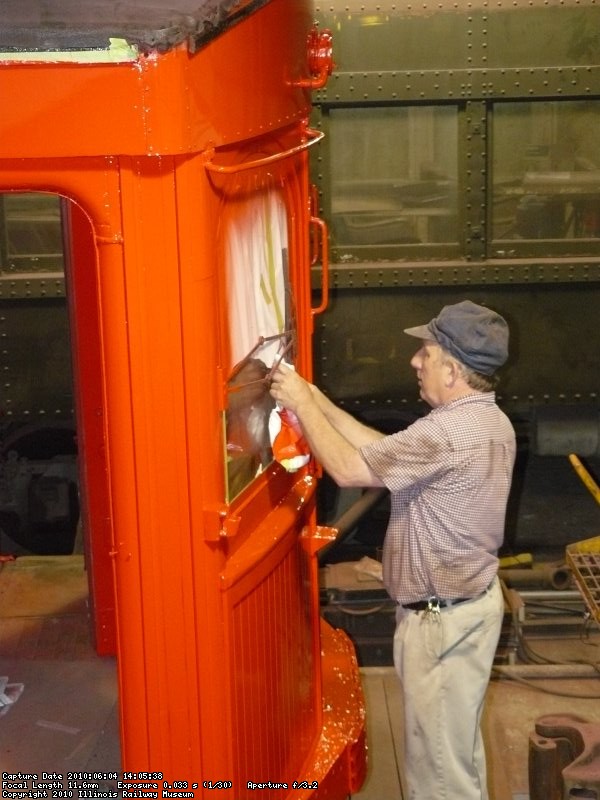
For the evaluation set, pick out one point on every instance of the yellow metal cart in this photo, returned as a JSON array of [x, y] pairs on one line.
[[583, 557]]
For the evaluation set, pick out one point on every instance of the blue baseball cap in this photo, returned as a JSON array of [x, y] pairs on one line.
[[473, 334]]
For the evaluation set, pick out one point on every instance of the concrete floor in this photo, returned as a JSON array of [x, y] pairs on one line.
[[66, 718], [67, 715]]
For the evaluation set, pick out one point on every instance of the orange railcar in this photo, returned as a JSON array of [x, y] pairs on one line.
[[177, 138]]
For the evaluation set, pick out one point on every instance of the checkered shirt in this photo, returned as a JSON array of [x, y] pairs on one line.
[[449, 475]]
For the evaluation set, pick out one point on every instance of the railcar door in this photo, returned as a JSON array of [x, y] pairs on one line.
[[269, 580]]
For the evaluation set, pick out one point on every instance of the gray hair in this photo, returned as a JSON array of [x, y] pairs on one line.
[[477, 381]]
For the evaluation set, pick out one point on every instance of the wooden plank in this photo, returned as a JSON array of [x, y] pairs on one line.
[[393, 691], [383, 776]]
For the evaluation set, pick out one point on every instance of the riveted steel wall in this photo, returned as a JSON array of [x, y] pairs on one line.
[[485, 65]]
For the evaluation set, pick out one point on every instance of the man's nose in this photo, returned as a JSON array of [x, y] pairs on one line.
[[415, 361]]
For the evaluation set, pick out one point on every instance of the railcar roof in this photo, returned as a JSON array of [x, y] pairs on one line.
[[43, 26]]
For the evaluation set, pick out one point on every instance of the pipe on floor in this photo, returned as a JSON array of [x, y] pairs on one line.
[[532, 671], [347, 521], [547, 576]]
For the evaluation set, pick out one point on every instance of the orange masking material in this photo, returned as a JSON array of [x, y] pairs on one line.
[[290, 448], [226, 672]]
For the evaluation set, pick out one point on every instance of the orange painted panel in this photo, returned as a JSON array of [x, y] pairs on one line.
[[165, 104], [274, 705], [225, 672], [88, 380]]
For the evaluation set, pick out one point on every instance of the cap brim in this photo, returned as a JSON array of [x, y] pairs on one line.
[[421, 332]]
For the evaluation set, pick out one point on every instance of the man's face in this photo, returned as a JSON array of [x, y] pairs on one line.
[[432, 373]]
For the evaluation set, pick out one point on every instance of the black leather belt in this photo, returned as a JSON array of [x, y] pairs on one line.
[[434, 603]]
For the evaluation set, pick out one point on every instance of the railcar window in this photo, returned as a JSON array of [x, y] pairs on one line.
[[394, 175], [30, 233], [261, 330], [546, 175]]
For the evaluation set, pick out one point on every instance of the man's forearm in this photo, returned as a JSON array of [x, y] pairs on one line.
[[355, 432], [333, 450], [333, 436]]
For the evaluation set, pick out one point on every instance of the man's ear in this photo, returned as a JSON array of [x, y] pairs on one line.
[[454, 372]]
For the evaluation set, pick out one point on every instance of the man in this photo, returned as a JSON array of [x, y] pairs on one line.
[[449, 476]]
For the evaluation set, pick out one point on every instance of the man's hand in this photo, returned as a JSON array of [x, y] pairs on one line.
[[332, 434], [289, 389]]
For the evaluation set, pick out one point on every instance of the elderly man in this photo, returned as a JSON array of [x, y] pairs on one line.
[[449, 476]]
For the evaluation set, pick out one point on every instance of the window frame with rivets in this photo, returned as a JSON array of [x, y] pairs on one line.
[[519, 80]]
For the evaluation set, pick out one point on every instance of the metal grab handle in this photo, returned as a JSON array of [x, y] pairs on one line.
[[324, 266], [225, 169]]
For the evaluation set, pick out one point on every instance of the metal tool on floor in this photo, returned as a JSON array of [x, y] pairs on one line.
[[585, 476], [564, 758], [9, 694]]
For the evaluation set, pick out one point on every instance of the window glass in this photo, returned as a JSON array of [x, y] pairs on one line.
[[30, 233], [546, 171], [394, 175], [260, 327]]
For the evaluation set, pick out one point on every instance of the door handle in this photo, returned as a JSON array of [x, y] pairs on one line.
[[322, 250]]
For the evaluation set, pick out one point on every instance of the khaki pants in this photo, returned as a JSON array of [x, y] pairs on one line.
[[444, 661]]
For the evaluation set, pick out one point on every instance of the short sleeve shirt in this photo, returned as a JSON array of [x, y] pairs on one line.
[[449, 475]]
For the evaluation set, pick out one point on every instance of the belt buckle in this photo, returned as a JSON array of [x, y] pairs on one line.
[[433, 605]]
